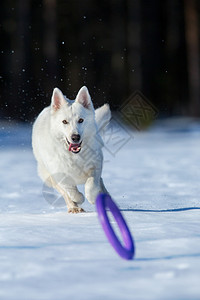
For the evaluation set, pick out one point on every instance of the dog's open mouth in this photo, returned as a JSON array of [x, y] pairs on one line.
[[74, 148]]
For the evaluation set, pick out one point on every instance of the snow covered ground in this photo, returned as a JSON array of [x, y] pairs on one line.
[[154, 177]]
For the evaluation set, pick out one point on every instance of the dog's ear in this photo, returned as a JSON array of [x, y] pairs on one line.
[[57, 99], [83, 97]]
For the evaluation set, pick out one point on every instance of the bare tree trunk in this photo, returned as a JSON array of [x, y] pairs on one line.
[[192, 43]]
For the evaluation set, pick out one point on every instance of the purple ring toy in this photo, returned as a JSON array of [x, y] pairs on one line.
[[104, 201]]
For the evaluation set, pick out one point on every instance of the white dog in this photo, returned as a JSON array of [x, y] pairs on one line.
[[68, 147]]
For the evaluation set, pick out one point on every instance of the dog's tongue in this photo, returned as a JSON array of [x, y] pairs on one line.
[[73, 147]]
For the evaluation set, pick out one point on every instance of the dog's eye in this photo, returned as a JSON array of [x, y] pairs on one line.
[[80, 120], [65, 122]]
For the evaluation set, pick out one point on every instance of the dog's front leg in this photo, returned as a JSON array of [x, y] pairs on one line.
[[71, 196], [92, 189], [75, 195]]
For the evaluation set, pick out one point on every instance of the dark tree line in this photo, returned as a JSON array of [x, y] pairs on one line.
[[114, 47]]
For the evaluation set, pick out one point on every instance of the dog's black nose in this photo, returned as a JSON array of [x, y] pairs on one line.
[[75, 138]]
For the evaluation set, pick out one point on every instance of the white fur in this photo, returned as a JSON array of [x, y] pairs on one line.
[[57, 166]]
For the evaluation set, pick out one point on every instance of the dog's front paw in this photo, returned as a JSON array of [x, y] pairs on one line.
[[91, 196], [75, 210]]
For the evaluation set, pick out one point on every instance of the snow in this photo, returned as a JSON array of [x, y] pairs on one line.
[[46, 253]]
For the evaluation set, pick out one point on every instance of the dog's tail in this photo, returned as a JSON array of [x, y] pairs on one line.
[[102, 116]]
